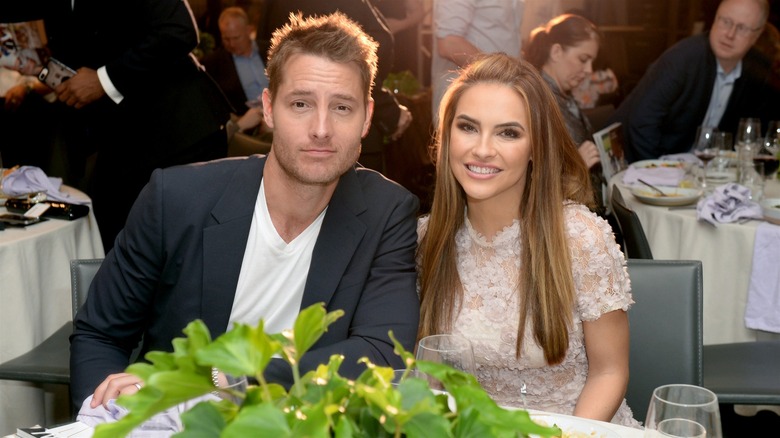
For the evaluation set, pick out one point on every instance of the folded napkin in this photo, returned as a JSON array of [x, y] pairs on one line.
[[685, 157], [728, 203], [161, 425], [31, 179], [763, 304], [661, 176]]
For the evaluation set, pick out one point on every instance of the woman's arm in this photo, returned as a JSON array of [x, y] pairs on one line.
[[606, 344]]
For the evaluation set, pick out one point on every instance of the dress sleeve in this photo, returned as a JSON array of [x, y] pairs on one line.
[[598, 265]]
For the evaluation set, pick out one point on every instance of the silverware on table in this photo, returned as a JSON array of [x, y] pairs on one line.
[[660, 192]]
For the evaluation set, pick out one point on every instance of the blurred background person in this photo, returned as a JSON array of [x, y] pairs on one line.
[[238, 68], [563, 51], [465, 28], [710, 79], [145, 100]]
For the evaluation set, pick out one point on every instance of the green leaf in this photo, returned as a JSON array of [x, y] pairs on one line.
[[202, 421], [242, 351], [263, 420], [310, 325]]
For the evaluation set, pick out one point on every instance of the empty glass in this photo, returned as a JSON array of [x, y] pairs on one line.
[[452, 350], [683, 411], [769, 150]]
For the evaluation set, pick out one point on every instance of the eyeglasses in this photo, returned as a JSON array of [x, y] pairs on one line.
[[727, 24]]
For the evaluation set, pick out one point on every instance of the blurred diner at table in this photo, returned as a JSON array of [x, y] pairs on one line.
[[512, 259], [711, 79]]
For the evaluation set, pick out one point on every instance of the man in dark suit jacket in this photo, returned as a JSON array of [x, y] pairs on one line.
[[198, 241], [145, 101], [661, 114], [237, 46], [390, 118]]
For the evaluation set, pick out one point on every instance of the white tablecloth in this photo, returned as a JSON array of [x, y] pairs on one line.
[[726, 252], [35, 301]]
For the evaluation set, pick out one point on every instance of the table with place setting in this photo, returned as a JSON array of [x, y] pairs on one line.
[[725, 242], [35, 295]]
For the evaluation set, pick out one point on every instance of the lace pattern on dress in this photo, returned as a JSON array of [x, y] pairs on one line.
[[489, 317]]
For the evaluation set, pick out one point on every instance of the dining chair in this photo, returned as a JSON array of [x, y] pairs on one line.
[[665, 328], [635, 242], [744, 372], [49, 361]]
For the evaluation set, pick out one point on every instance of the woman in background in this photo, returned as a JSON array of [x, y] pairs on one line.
[[512, 258]]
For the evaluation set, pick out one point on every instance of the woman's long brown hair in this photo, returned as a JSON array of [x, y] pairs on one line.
[[556, 173]]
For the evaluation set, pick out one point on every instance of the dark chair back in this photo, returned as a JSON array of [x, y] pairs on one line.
[[635, 242], [665, 327], [81, 274]]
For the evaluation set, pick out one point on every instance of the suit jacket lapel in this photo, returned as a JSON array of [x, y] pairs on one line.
[[340, 235], [224, 243]]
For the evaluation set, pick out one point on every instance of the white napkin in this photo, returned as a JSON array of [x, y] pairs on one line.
[[161, 425], [31, 179], [661, 176], [728, 203], [763, 303]]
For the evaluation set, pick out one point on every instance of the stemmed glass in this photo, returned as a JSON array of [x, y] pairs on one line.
[[769, 150], [452, 350], [705, 148], [748, 140], [683, 411]]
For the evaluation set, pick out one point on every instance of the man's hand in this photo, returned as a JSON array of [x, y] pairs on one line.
[[80, 90], [114, 386], [404, 119]]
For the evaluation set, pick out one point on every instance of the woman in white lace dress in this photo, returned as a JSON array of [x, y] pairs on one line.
[[511, 257]]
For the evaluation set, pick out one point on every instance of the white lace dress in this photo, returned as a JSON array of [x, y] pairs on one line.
[[489, 315]]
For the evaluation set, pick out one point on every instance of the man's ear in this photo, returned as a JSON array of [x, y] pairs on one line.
[[268, 111], [369, 114]]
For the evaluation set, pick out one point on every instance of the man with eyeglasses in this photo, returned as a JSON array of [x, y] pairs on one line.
[[711, 79]]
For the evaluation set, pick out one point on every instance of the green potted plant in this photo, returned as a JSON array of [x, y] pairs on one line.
[[320, 403]]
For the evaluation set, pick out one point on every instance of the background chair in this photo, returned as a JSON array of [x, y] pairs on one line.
[[744, 373], [635, 244], [49, 362], [665, 327]]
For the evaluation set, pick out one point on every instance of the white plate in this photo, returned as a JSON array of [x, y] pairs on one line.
[[649, 164], [676, 195], [574, 427]]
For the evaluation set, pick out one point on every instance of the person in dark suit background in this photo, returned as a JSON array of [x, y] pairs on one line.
[[239, 70], [676, 94], [265, 236], [144, 100], [390, 118], [237, 66]]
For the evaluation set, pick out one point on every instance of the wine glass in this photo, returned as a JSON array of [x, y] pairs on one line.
[[449, 349], [769, 150], [705, 148], [683, 411]]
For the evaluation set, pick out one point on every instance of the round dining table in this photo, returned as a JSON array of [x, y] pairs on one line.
[[726, 252], [35, 301]]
